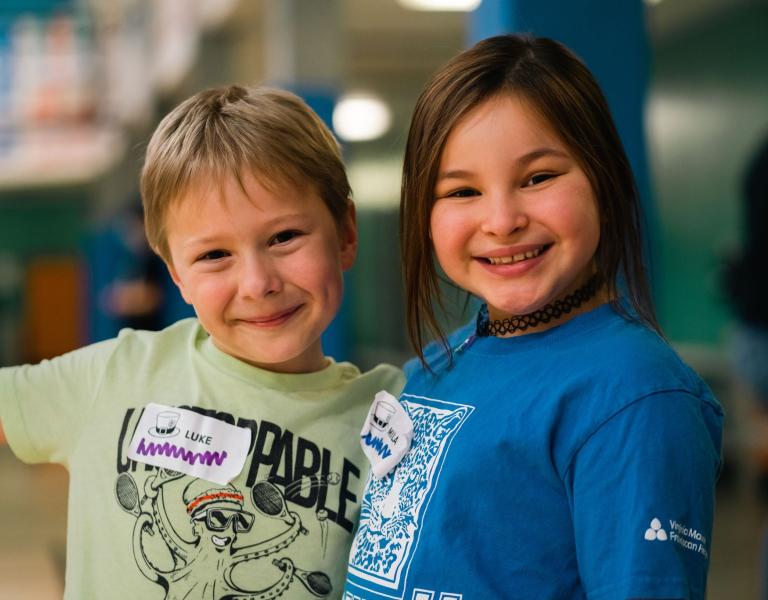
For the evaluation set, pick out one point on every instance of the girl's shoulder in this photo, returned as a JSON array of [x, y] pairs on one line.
[[437, 355], [640, 361], [599, 346]]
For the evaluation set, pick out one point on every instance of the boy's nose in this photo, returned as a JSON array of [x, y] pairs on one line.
[[502, 215], [259, 278]]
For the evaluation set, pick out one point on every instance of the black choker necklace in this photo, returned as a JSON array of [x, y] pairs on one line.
[[555, 310]]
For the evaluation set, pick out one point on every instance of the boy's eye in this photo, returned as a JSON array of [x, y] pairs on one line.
[[213, 255], [284, 237], [539, 178]]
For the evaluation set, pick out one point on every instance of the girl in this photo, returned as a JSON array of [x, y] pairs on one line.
[[560, 449]]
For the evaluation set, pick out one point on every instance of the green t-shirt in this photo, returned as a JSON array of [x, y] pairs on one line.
[[281, 528]]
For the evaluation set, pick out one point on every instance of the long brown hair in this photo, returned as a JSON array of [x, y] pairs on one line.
[[563, 91]]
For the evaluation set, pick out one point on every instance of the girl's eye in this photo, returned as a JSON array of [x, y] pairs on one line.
[[284, 237], [539, 178], [213, 255], [463, 193]]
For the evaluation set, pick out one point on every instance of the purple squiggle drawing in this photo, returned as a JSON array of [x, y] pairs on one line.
[[173, 451]]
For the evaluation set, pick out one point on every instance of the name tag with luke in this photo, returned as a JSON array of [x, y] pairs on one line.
[[193, 444]]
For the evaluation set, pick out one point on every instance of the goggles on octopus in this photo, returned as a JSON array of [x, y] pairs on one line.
[[220, 519]]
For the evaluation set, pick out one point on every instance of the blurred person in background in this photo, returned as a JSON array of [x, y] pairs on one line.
[[746, 284], [129, 286], [132, 291]]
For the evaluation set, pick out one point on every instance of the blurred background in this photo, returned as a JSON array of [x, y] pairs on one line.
[[83, 83]]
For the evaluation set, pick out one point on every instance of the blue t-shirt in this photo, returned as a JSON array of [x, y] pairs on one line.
[[578, 462]]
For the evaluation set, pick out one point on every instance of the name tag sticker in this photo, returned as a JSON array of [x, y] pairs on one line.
[[387, 434], [185, 441]]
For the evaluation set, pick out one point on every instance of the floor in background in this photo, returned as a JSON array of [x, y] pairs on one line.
[[33, 510], [33, 513], [741, 522]]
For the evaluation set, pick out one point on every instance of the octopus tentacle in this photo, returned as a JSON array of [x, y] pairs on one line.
[[275, 591], [145, 565], [178, 547], [270, 546]]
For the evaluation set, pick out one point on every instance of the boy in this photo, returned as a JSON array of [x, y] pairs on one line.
[[217, 458]]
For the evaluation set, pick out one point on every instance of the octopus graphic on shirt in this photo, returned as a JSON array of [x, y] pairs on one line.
[[198, 539]]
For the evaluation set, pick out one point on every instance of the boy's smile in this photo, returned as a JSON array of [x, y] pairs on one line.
[[262, 266], [515, 220]]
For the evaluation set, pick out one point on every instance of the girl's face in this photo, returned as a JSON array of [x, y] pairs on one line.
[[515, 220]]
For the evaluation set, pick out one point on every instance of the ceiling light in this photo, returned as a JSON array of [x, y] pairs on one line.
[[375, 180], [446, 5], [361, 117]]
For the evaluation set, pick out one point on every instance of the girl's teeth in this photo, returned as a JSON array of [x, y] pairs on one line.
[[508, 260]]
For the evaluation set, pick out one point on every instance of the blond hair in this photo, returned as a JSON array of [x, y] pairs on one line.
[[217, 133]]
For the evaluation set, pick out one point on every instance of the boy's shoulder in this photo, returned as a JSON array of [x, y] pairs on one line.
[[387, 376], [178, 332], [126, 350], [347, 376], [181, 334], [186, 342], [138, 349]]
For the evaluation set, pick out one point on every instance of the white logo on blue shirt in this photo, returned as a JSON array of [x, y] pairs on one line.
[[655, 532]]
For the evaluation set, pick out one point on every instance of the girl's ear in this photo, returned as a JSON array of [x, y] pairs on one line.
[[348, 237]]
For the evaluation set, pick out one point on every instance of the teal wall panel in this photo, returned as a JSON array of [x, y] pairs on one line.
[[708, 111], [30, 225]]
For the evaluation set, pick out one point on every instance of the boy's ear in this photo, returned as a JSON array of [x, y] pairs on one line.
[[177, 280], [348, 237]]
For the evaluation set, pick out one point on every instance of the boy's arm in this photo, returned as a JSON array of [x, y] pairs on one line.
[[43, 406]]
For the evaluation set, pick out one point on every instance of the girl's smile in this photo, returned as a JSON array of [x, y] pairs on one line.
[[513, 256], [515, 219]]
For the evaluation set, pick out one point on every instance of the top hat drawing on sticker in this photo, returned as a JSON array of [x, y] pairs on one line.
[[382, 413], [165, 424]]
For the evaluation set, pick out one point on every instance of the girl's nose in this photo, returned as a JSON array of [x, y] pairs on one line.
[[259, 277], [502, 215]]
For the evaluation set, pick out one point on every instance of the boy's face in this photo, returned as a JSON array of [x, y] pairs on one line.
[[262, 269]]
